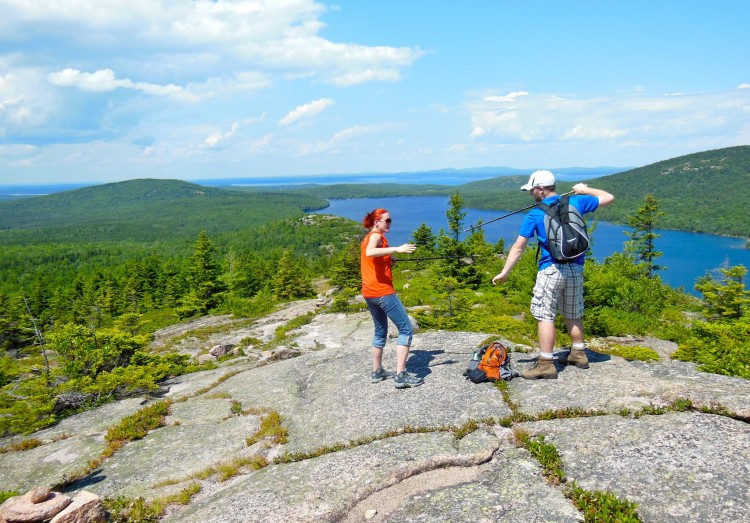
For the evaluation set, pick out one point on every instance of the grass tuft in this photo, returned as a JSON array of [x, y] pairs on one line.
[[136, 426], [270, 427], [126, 510], [464, 430], [601, 506], [546, 454], [27, 444]]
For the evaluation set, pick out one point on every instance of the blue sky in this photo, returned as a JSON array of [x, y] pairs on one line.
[[100, 91]]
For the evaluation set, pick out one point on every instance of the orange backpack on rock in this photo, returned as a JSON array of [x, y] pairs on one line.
[[490, 363]]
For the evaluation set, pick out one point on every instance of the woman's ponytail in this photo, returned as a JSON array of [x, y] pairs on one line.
[[368, 222]]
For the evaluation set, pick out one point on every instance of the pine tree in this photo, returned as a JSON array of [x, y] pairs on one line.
[[424, 239], [725, 298], [641, 244], [202, 275], [456, 215], [290, 283], [14, 324], [345, 270], [251, 274]]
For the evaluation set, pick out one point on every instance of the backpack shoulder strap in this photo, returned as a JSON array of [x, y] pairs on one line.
[[547, 210]]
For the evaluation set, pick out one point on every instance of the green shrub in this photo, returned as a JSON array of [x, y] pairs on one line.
[[674, 325], [84, 352], [343, 301], [260, 305], [630, 352], [720, 348], [603, 321], [9, 369], [34, 412]]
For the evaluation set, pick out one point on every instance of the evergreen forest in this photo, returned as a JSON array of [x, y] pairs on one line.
[[89, 275]]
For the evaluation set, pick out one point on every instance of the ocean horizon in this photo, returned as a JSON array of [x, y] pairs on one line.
[[450, 177]]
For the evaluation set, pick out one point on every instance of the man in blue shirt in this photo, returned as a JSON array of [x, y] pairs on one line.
[[559, 285]]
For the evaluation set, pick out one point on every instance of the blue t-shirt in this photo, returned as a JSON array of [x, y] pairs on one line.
[[533, 225]]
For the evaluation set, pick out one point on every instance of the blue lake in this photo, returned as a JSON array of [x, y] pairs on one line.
[[687, 256]]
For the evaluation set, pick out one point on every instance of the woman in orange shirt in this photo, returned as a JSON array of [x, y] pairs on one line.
[[382, 300]]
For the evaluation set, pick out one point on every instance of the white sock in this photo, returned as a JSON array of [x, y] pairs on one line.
[[578, 346], [545, 356]]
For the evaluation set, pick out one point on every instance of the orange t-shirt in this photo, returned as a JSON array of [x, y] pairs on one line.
[[377, 279]]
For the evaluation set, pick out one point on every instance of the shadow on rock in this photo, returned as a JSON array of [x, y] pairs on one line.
[[419, 361], [92, 479]]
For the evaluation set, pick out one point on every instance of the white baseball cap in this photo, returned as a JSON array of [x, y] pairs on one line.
[[539, 179]]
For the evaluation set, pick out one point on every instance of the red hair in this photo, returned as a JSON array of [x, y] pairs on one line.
[[371, 217]]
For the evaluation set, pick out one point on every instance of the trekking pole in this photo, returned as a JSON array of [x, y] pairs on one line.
[[509, 214], [468, 259]]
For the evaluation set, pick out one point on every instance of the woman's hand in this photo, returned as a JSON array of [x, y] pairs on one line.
[[406, 248]]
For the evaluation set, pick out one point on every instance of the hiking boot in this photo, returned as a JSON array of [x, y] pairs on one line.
[[543, 369], [405, 380], [576, 357], [382, 374]]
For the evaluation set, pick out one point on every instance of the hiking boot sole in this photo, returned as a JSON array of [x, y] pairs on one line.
[[408, 385], [550, 377], [565, 360]]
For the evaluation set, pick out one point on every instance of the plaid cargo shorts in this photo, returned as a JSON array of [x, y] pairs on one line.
[[558, 288]]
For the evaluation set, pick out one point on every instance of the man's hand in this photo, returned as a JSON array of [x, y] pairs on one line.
[[580, 188], [500, 278]]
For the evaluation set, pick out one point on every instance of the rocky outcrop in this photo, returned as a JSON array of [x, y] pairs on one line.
[[663, 435], [40, 504]]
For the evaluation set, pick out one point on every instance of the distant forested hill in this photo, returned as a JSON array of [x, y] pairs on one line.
[[49, 241], [702, 192], [143, 210], [341, 191]]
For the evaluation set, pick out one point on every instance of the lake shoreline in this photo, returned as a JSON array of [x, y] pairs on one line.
[[501, 212]]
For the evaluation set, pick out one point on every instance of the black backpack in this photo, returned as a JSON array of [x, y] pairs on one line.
[[567, 237]]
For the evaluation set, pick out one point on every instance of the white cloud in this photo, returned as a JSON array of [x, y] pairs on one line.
[[268, 36], [506, 98], [111, 71], [360, 77], [104, 80], [743, 86], [26, 101], [549, 118], [306, 111], [216, 138], [341, 137], [357, 130]]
